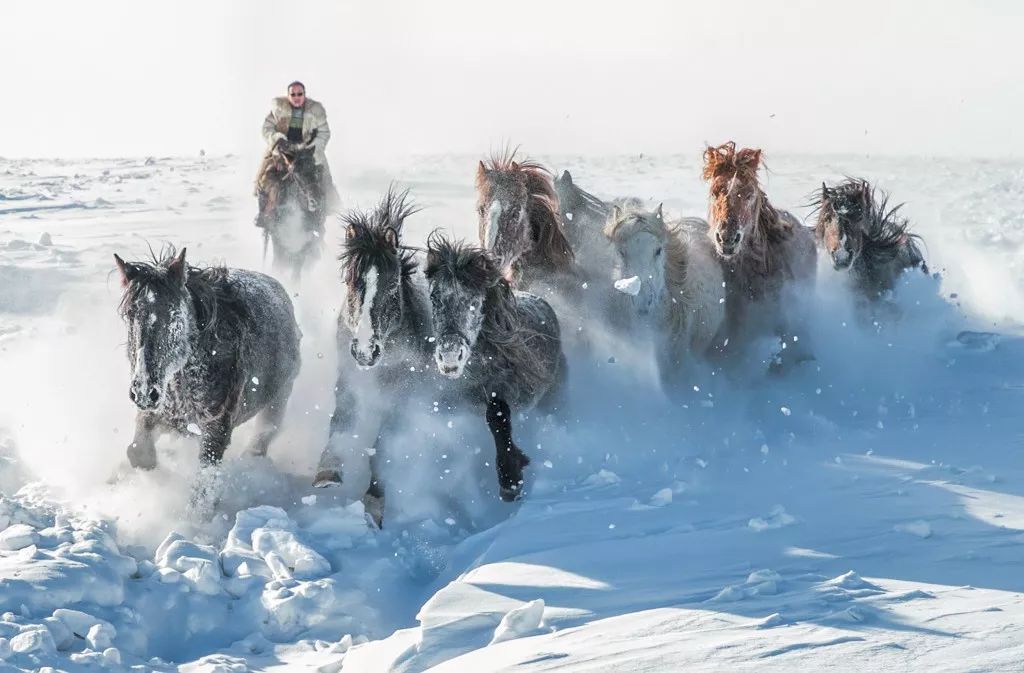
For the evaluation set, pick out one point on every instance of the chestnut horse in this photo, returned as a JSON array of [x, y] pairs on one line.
[[766, 255]]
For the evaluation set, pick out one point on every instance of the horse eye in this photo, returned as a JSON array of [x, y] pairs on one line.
[[657, 253]]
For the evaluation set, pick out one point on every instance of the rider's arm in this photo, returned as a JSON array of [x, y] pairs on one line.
[[270, 133]]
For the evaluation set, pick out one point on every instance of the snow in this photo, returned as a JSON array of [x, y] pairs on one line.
[[630, 286], [881, 531]]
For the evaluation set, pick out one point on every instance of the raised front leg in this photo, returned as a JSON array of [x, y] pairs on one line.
[[509, 460], [142, 450]]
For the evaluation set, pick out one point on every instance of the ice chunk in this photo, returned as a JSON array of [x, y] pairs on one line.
[[630, 286], [18, 536]]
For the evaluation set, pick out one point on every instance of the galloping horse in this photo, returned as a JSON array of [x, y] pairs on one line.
[[209, 349], [863, 235], [519, 221], [766, 254], [680, 283], [383, 341], [504, 347]]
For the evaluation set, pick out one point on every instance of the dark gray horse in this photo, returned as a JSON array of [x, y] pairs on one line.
[[862, 234], [504, 346], [209, 349], [383, 341], [583, 218]]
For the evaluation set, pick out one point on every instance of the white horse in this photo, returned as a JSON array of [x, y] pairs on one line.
[[675, 282]]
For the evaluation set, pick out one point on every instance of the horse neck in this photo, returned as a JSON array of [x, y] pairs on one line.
[[677, 266], [551, 250], [415, 323]]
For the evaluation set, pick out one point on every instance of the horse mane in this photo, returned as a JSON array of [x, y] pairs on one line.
[[552, 249], [213, 298], [724, 161], [502, 328], [677, 263], [885, 231], [367, 244]]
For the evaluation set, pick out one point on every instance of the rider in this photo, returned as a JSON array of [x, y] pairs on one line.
[[297, 119]]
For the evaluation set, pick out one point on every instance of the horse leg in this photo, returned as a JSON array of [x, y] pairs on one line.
[[142, 450], [216, 437], [509, 459], [206, 489], [270, 419], [329, 470], [555, 402]]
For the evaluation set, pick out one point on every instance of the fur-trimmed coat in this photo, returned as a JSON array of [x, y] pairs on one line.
[[314, 116]]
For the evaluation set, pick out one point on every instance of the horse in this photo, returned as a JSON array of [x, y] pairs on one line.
[[680, 282], [209, 349], [293, 208], [766, 254], [862, 235], [384, 331], [583, 219], [503, 347], [519, 221]]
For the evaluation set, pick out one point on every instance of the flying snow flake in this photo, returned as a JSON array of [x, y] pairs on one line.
[[194, 429], [256, 380], [785, 411]]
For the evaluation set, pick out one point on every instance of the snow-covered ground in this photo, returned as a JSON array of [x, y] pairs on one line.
[[864, 513]]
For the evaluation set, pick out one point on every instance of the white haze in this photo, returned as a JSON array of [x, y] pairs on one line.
[[118, 78]]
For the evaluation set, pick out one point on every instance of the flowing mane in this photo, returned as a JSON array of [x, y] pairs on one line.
[[367, 243], [212, 296], [728, 169], [886, 233], [551, 250]]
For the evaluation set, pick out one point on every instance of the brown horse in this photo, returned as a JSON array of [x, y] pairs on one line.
[[519, 221], [765, 253]]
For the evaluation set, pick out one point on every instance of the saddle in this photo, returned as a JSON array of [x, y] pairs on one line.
[[295, 164]]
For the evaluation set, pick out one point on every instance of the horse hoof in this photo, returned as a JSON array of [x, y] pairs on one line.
[[327, 479], [511, 493]]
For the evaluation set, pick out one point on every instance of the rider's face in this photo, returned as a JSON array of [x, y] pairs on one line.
[[296, 96]]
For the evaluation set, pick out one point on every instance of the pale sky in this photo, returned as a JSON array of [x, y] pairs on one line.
[[120, 77]]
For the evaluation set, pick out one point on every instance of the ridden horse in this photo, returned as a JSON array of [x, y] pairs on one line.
[[293, 208], [501, 346], [862, 235], [383, 341], [766, 254], [679, 282], [209, 349]]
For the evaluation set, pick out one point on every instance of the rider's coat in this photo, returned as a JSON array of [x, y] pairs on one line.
[[314, 117]]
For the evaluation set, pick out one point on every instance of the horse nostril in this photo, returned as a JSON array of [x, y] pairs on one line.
[[375, 351], [718, 236], [131, 394], [154, 395]]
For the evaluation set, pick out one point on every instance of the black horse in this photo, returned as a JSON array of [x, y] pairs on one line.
[[383, 342], [209, 349], [504, 347], [292, 207]]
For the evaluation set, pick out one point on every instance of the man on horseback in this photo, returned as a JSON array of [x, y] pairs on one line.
[[295, 121]]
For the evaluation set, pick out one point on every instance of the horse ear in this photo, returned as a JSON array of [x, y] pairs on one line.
[[178, 269], [350, 232], [515, 165], [127, 271], [391, 238], [658, 213], [481, 169], [824, 190], [566, 177], [616, 213]]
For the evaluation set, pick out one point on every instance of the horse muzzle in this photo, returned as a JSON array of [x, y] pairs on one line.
[[366, 354], [451, 355], [841, 258], [146, 397]]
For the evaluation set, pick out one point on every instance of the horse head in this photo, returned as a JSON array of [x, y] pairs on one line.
[[461, 279], [640, 240], [375, 268], [735, 196], [843, 213], [161, 320]]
